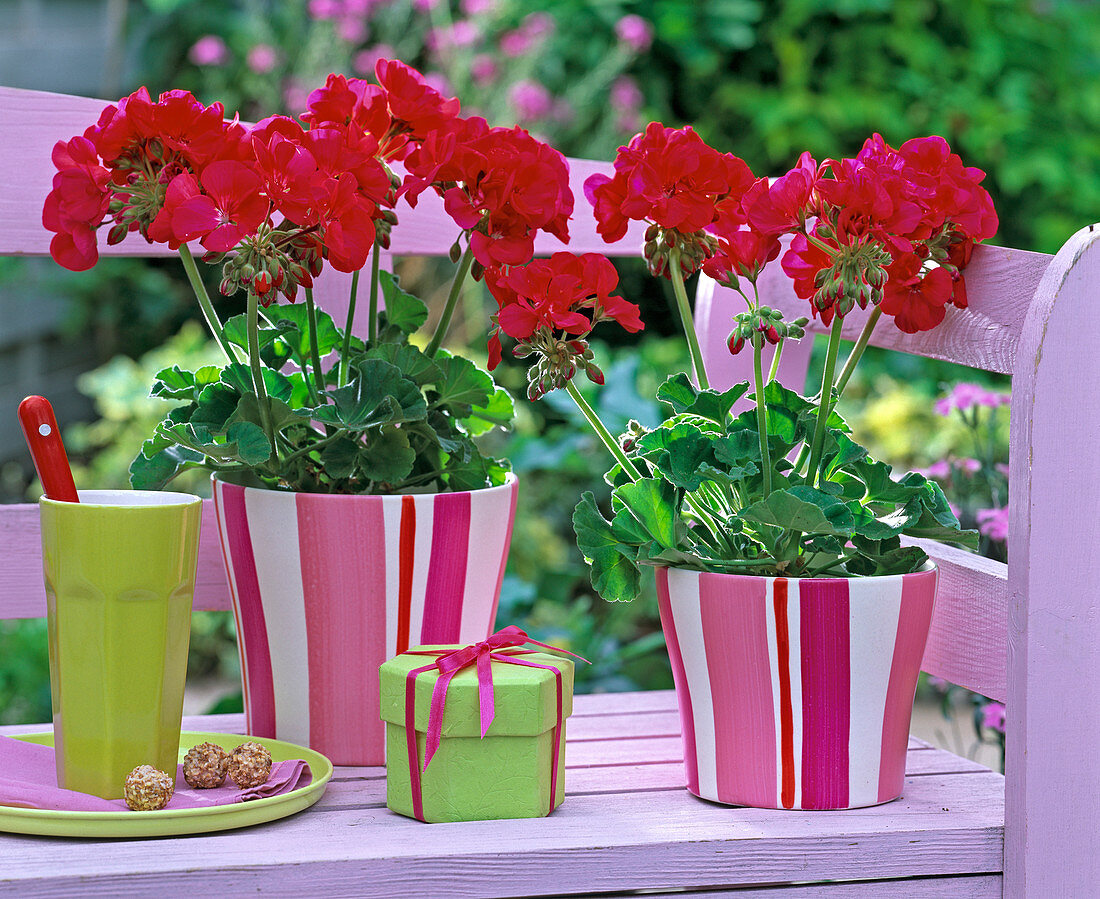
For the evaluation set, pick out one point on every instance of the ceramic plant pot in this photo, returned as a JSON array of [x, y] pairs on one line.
[[325, 588], [793, 693]]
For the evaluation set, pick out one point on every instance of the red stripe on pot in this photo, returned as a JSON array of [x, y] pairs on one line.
[[918, 593], [679, 677], [735, 632], [825, 644], [249, 613], [447, 570], [406, 557], [786, 714], [345, 619]]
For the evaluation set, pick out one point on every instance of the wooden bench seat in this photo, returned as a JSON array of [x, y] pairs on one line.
[[1027, 634], [627, 824]]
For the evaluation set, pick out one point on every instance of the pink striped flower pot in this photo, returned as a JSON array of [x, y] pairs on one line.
[[793, 693], [326, 588]]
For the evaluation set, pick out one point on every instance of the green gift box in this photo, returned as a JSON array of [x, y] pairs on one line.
[[511, 772]]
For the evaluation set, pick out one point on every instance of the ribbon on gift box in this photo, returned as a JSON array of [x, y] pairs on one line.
[[503, 646]]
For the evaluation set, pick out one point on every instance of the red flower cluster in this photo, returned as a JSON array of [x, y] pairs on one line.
[[498, 184], [893, 227], [281, 195], [669, 177], [565, 293]]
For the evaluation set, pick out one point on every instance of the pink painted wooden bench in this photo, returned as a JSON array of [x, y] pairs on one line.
[[1028, 635]]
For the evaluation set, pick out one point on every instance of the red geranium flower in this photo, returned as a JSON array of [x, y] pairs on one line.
[[77, 204], [779, 207], [669, 177], [916, 300], [230, 209], [566, 293]]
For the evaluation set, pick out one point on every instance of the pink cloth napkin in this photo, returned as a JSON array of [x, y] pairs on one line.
[[28, 779]]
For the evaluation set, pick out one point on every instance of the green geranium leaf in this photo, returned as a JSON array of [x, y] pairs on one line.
[[497, 413], [387, 457], [684, 397], [463, 383], [216, 404], [274, 351], [615, 576], [379, 394], [404, 312], [413, 363], [802, 508], [239, 377], [341, 456], [291, 321], [155, 466], [679, 453], [177, 384], [251, 442], [474, 473], [653, 502]]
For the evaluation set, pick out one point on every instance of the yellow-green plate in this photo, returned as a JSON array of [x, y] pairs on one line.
[[172, 822]]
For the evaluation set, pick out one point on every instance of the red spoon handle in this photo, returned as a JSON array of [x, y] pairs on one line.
[[44, 440]]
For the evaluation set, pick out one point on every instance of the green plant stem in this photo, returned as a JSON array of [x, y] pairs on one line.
[[688, 322], [372, 325], [601, 431], [857, 351], [762, 420], [342, 371], [258, 371], [207, 307], [826, 405], [314, 349], [452, 300], [306, 450], [774, 370]]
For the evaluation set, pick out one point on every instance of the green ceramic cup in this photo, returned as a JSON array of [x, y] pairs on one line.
[[120, 574]]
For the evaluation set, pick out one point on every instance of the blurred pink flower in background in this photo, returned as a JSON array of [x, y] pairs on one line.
[[363, 61], [352, 30], [625, 94], [462, 33], [563, 111], [483, 69], [533, 29], [970, 466], [938, 469], [993, 523], [530, 100], [478, 7], [1002, 467], [262, 58], [635, 32], [965, 396], [438, 81], [208, 50], [296, 96], [325, 9], [425, 5], [993, 716]]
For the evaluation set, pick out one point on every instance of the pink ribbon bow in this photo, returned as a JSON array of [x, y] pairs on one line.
[[499, 647]]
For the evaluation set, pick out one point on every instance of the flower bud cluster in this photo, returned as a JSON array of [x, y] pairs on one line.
[[275, 262], [763, 325], [695, 249], [559, 360], [856, 277]]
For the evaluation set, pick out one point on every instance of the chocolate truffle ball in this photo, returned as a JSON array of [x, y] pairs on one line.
[[249, 765], [204, 766], [148, 789]]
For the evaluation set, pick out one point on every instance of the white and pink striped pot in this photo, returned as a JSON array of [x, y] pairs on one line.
[[794, 693], [326, 588]]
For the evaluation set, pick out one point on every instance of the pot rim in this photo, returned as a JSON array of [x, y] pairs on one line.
[[930, 568], [510, 481]]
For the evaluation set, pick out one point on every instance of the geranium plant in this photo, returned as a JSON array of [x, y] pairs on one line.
[[782, 488], [302, 403]]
